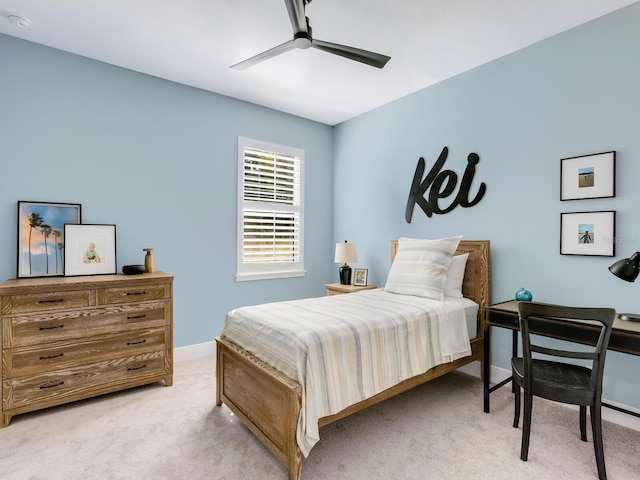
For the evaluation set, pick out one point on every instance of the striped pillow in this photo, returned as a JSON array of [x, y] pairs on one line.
[[420, 267]]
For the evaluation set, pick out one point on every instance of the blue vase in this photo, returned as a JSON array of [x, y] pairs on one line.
[[524, 295]]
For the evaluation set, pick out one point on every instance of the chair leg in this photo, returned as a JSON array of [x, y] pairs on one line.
[[598, 445], [516, 413], [583, 423], [526, 425]]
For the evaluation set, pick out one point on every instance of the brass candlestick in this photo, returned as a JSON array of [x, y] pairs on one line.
[[148, 260]]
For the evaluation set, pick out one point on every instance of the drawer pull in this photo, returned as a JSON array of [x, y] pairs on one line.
[[136, 293], [132, 317], [56, 300], [52, 356], [139, 367], [51, 385], [52, 328], [137, 343]]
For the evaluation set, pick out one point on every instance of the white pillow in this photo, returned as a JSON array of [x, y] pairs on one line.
[[455, 276], [420, 267]]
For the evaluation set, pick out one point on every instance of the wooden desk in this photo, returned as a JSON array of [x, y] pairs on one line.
[[625, 338]]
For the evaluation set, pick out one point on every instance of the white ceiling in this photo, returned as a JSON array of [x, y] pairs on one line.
[[194, 42]]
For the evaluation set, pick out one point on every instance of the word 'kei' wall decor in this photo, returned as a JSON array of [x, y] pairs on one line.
[[441, 184]]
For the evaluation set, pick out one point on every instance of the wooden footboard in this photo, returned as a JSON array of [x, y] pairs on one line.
[[266, 401], [269, 403]]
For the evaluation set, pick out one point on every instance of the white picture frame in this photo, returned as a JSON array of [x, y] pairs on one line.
[[89, 249], [360, 277]]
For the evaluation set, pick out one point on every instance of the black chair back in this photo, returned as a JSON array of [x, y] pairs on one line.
[[598, 319], [550, 372]]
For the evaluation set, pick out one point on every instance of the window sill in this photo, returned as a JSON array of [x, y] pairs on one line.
[[244, 277]]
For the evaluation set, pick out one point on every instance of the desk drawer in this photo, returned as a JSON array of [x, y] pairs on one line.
[[46, 301], [42, 358], [63, 385], [61, 326], [503, 319]]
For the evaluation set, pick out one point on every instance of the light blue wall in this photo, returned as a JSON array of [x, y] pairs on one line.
[[577, 93], [158, 159]]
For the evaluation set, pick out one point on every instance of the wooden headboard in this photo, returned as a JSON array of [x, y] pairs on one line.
[[477, 275]]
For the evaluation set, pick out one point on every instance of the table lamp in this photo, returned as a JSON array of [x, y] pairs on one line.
[[627, 270], [345, 253]]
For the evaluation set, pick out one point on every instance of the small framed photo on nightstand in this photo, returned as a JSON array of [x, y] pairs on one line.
[[360, 277]]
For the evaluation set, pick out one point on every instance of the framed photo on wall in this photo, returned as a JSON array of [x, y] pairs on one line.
[[360, 277], [588, 233], [589, 176], [90, 250], [41, 240]]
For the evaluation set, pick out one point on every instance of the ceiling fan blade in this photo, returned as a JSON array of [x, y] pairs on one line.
[[297, 15], [250, 62], [370, 58]]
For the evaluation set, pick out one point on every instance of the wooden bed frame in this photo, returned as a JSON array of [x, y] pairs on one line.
[[269, 403]]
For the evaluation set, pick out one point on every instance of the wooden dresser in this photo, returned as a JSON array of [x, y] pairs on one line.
[[68, 338]]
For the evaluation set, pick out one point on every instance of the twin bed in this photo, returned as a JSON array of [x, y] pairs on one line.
[[288, 368]]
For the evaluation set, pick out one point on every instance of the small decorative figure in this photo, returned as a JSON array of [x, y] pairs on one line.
[[148, 260], [91, 256]]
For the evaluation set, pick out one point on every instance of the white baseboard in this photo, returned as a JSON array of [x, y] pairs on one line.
[[608, 414], [194, 352]]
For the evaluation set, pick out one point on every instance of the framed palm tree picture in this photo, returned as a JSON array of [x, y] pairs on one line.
[[41, 236]]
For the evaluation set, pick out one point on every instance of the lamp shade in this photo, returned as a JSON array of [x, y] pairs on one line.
[[346, 252], [627, 268]]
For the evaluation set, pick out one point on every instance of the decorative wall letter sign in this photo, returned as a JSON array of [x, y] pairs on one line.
[[441, 184]]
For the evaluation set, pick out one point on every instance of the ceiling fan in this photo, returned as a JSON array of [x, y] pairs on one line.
[[302, 39]]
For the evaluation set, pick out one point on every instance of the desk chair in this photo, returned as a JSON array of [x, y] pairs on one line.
[[563, 382]]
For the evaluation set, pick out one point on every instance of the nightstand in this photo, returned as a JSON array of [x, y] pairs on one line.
[[338, 289]]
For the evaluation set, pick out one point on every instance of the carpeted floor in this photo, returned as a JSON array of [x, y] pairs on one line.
[[437, 432]]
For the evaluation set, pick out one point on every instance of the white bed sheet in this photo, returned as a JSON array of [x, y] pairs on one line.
[[345, 348], [471, 313]]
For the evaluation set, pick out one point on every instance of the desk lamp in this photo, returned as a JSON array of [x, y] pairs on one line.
[[345, 253], [627, 269]]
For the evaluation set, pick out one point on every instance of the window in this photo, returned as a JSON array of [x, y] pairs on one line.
[[270, 213]]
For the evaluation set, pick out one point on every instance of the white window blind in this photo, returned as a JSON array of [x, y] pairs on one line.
[[270, 223]]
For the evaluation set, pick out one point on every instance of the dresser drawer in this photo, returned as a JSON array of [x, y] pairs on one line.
[[78, 324], [145, 293], [60, 386], [53, 356], [40, 302]]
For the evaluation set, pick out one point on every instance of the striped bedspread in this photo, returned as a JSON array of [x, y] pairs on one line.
[[346, 348]]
